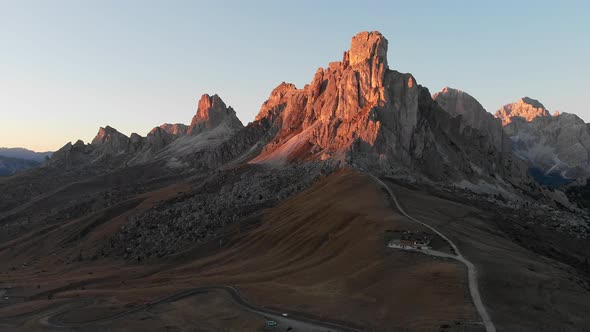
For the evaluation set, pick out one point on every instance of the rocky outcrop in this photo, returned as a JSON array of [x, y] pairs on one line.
[[177, 129], [158, 138], [136, 142], [211, 113], [526, 108], [171, 226], [71, 155], [108, 141], [459, 103], [277, 101]]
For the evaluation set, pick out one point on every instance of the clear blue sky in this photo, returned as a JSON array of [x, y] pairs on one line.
[[68, 67]]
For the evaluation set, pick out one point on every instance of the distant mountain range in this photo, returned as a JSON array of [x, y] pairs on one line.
[[10, 166], [21, 153], [14, 160]]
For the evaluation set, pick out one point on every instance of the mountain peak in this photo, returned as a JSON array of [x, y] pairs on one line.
[[455, 102], [367, 46], [526, 108], [106, 134], [273, 102], [207, 102], [211, 112], [176, 129], [448, 89], [530, 101]]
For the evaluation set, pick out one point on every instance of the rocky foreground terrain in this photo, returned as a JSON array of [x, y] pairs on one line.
[[220, 199]]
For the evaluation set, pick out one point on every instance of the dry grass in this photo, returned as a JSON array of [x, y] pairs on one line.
[[321, 253]]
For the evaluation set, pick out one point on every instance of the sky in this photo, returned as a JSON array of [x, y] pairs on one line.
[[70, 67]]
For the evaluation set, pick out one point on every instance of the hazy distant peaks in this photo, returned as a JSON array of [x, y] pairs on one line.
[[21, 153]]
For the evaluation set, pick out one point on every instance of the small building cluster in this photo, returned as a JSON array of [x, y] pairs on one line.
[[411, 240]]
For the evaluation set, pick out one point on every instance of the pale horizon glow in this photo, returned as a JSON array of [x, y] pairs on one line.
[[69, 67]]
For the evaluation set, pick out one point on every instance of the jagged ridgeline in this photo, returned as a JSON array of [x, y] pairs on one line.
[[356, 111]]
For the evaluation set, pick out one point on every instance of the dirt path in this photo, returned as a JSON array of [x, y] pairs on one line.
[[471, 269]]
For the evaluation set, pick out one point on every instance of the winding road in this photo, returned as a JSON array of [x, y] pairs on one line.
[[471, 269], [297, 322], [53, 319]]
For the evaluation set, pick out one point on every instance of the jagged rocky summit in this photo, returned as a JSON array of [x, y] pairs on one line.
[[361, 112], [460, 103], [526, 108], [558, 144]]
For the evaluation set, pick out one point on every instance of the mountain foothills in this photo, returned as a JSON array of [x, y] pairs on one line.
[[286, 210], [11, 166], [25, 154]]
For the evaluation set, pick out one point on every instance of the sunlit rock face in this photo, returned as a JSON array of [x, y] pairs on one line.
[[359, 111], [459, 103], [177, 129], [356, 111], [326, 117], [158, 138], [211, 113], [526, 108], [110, 141], [555, 144]]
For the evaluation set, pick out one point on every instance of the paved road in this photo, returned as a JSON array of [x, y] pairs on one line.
[[296, 322], [471, 269]]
